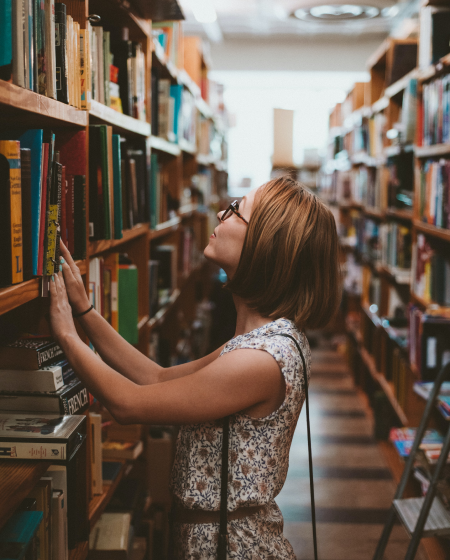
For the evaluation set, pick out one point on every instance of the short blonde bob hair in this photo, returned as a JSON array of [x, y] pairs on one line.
[[289, 265]]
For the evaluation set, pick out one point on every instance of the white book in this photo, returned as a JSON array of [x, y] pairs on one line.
[[50, 52], [46, 379], [17, 43], [59, 475]]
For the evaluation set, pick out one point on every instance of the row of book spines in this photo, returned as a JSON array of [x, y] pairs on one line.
[[435, 112], [44, 50], [33, 222], [434, 196], [113, 291], [431, 273]]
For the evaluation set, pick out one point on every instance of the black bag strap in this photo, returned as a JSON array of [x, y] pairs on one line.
[[223, 531]]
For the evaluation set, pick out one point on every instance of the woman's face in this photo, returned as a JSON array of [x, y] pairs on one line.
[[225, 244]]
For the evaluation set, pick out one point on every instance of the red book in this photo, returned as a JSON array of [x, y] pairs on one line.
[[70, 209], [42, 218], [63, 224], [72, 151]]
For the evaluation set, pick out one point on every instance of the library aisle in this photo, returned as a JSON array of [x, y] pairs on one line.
[[352, 481]]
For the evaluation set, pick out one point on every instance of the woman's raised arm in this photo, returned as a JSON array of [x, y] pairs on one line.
[[114, 350]]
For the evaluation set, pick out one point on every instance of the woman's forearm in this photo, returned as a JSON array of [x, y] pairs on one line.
[[117, 352]]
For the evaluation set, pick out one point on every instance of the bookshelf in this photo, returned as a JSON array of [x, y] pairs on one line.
[[381, 243], [193, 207]]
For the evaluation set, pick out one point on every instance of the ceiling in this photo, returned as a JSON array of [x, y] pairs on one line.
[[273, 19]]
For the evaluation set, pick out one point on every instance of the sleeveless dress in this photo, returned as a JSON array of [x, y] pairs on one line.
[[258, 461]]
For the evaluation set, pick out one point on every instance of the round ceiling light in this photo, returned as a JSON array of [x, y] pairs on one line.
[[337, 12]]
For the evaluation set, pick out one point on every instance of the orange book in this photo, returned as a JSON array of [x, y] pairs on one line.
[[11, 200]]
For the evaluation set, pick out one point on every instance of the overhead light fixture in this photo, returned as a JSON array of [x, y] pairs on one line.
[[336, 12], [203, 10]]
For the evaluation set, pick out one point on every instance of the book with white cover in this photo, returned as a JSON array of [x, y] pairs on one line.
[[45, 379]]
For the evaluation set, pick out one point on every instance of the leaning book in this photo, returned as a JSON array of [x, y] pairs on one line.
[[40, 436]]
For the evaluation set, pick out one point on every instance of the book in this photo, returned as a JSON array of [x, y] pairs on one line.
[[53, 221], [95, 423], [61, 53], [59, 526], [6, 51], [29, 353], [50, 51], [27, 212], [111, 263], [17, 534], [123, 52], [42, 493], [47, 379], [403, 439], [70, 477], [41, 50], [11, 220], [110, 536], [72, 398], [18, 43], [128, 302], [38, 436], [110, 470], [117, 180]]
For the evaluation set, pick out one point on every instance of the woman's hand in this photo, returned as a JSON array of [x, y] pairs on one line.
[[61, 320], [73, 281]]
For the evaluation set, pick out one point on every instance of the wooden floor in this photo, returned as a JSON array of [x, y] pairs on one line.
[[353, 486]]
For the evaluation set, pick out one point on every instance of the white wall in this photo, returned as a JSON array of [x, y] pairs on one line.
[[309, 77], [342, 54]]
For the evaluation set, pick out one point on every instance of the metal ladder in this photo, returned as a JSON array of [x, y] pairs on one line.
[[426, 516]]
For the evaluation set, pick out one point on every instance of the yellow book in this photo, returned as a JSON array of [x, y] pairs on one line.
[[10, 149]]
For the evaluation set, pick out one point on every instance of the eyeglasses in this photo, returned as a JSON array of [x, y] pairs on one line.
[[232, 209]]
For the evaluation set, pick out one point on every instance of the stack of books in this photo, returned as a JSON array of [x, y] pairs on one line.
[[430, 272], [403, 439]]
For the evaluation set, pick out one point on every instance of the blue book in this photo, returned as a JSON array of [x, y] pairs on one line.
[[176, 92], [31, 139], [17, 534], [117, 182], [5, 40]]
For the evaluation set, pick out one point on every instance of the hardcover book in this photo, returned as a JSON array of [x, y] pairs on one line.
[[29, 353], [40, 436], [69, 399]]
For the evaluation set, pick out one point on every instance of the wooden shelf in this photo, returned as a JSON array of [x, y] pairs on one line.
[[406, 215], [143, 322], [431, 230], [17, 479], [102, 245], [18, 294], [350, 204], [23, 104], [432, 151], [187, 147], [384, 384], [434, 69], [80, 552], [98, 503], [101, 114], [164, 228], [401, 84], [380, 105], [164, 146], [206, 159], [420, 301], [160, 315], [363, 158], [374, 213], [187, 210]]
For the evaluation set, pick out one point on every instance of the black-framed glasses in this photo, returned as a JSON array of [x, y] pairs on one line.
[[233, 209]]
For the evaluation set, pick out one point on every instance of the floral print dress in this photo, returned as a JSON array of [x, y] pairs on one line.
[[258, 461]]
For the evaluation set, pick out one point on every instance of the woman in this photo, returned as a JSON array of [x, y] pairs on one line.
[[279, 250]]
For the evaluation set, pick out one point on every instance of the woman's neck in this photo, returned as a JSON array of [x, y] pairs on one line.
[[247, 319]]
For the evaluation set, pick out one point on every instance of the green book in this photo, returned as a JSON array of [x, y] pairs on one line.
[[128, 303], [117, 181]]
